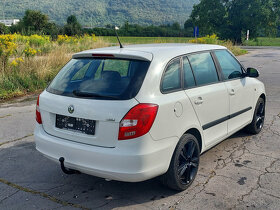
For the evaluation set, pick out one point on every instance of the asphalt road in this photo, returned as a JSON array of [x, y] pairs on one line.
[[242, 172]]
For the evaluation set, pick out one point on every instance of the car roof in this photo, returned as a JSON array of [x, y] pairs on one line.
[[148, 51]]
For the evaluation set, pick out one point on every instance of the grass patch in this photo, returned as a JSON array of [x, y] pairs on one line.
[[263, 41], [213, 39], [234, 49], [145, 40]]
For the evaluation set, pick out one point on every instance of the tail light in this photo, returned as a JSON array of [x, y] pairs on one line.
[[38, 114], [138, 121]]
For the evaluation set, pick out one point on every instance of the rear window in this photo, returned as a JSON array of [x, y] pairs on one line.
[[117, 79]]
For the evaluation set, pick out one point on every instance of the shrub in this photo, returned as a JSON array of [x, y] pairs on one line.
[[214, 39], [38, 41], [34, 60], [29, 51]]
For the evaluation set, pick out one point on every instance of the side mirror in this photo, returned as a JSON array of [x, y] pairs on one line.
[[251, 72]]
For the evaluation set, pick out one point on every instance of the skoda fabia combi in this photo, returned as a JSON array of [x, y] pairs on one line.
[[138, 112]]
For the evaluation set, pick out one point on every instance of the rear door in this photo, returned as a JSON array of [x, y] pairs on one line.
[[240, 90], [105, 114], [89, 97], [208, 95]]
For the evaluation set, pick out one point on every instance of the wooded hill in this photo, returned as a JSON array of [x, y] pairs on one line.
[[102, 12]]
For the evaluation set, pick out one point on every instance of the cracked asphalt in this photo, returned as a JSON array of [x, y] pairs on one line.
[[242, 172]]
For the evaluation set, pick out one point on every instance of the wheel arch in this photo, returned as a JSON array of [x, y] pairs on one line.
[[260, 95], [197, 134], [263, 96], [260, 92]]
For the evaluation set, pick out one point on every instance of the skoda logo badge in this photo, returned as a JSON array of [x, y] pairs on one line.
[[71, 109]]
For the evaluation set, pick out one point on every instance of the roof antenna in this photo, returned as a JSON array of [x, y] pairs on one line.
[[117, 28]]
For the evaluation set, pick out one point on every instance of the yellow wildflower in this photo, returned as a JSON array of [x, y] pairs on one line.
[[30, 51], [17, 61]]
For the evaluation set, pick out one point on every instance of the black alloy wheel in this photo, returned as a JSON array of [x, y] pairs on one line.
[[258, 118], [184, 164], [260, 115], [188, 163]]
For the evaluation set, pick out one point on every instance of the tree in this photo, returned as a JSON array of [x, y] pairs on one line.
[[271, 12], [276, 5], [109, 26], [73, 27], [230, 19], [188, 24], [209, 16], [126, 26], [189, 27], [176, 26], [72, 19], [34, 20], [249, 15], [3, 29], [52, 29], [17, 28]]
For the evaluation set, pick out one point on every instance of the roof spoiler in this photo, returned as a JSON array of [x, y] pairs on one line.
[[139, 56]]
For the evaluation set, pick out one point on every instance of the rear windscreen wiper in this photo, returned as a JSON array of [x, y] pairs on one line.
[[95, 95]]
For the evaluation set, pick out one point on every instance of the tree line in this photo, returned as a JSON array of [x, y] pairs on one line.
[[127, 29], [230, 19], [35, 22]]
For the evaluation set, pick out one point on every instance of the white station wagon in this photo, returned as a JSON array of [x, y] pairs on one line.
[[134, 113]]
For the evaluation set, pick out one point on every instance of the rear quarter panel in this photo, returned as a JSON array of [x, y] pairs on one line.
[[167, 124]]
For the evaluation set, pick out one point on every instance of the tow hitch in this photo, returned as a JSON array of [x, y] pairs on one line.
[[67, 170]]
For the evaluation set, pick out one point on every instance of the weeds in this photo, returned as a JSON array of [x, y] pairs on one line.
[[214, 39], [29, 63]]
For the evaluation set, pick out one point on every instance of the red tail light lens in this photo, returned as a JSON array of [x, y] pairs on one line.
[[138, 121], [38, 114]]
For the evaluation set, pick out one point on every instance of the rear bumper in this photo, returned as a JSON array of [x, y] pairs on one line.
[[131, 161]]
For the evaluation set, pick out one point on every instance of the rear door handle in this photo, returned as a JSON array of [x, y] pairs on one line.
[[231, 92], [198, 101]]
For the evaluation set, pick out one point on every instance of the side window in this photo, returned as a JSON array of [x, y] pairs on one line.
[[203, 68], [230, 67], [172, 76], [188, 75]]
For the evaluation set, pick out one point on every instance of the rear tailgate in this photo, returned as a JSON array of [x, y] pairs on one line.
[[106, 113]]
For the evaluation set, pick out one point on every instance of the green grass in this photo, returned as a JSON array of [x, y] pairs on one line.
[[260, 41], [145, 40], [263, 41], [148, 40]]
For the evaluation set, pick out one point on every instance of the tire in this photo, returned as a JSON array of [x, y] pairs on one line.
[[184, 164], [258, 118]]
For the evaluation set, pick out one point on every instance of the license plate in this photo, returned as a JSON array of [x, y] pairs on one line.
[[76, 124]]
